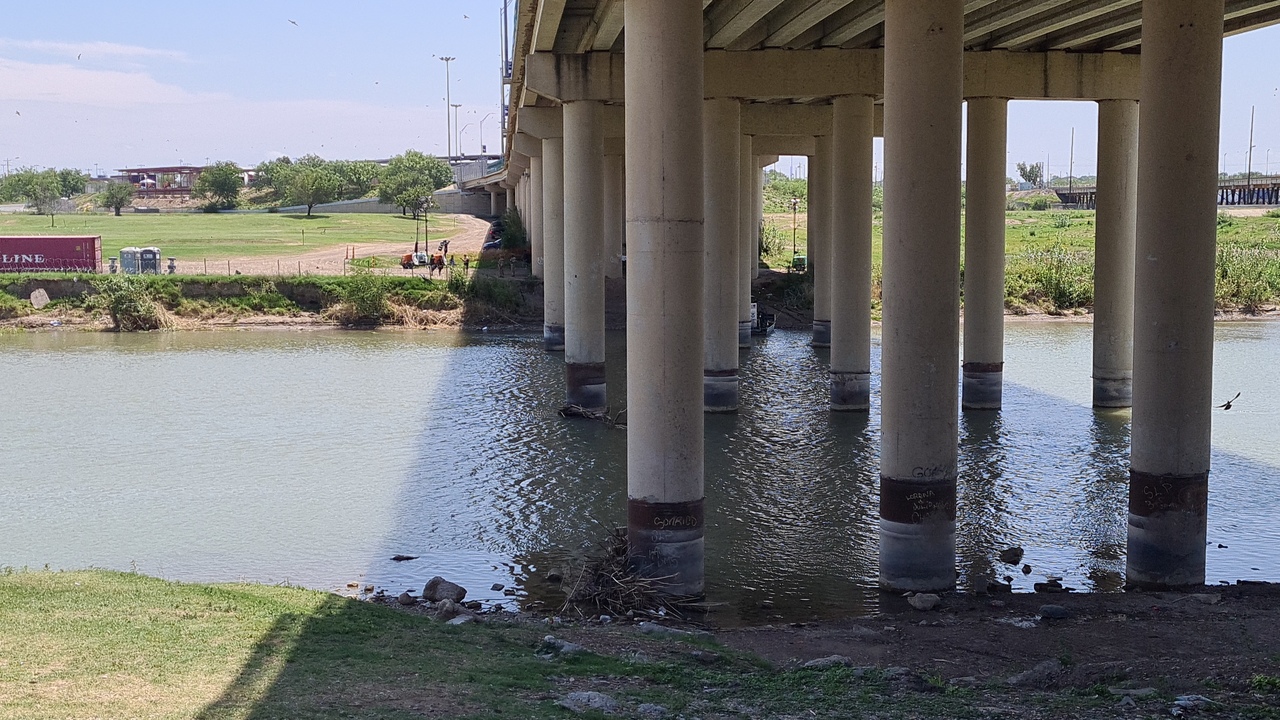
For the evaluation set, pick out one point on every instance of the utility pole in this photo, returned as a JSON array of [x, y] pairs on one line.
[[458, 145], [1248, 176], [1071, 163], [448, 128]]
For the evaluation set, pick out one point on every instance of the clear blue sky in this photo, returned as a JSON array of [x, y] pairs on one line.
[[111, 85]]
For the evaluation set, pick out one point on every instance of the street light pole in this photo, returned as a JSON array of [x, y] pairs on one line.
[[448, 128], [464, 129], [1248, 175], [457, 143], [482, 146]]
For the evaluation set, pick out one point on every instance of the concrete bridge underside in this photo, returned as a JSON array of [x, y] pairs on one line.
[[651, 121]]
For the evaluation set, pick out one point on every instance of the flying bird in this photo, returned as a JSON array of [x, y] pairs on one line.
[[295, 23], [466, 17], [1227, 405], [78, 55], [15, 112]]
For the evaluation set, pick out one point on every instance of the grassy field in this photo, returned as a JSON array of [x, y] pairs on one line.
[[228, 235]]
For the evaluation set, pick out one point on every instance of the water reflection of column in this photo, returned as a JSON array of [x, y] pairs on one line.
[[923, 58], [1100, 517], [664, 97], [982, 512], [1181, 90]]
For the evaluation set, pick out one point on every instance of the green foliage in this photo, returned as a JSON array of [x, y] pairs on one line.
[[1054, 280], [71, 182], [514, 236], [410, 179], [1225, 220], [366, 296], [1273, 213], [1031, 173], [357, 178], [312, 186], [780, 190], [1265, 683], [11, 307], [1040, 203], [1248, 278], [1061, 220], [354, 178], [129, 301], [116, 195], [220, 184]]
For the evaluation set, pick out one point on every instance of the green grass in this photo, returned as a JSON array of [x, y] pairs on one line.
[[193, 236]]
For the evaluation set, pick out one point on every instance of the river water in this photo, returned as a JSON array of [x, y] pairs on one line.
[[311, 457]]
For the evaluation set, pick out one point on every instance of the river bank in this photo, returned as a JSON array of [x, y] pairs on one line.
[[96, 643]]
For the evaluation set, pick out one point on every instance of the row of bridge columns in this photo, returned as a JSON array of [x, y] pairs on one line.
[[692, 246]]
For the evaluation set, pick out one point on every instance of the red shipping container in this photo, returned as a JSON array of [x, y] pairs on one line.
[[51, 253]]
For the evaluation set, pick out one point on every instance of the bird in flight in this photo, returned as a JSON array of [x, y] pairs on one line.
[[1227, 405], [295, 23], [466, 17], [78, 55], [15, 112]]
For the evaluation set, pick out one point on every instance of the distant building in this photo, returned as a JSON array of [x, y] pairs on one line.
[[175, 181]]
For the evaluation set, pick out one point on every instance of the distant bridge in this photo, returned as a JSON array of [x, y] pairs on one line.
[[1260, 190]]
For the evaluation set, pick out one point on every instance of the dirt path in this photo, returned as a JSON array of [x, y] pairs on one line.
[[331, 260]]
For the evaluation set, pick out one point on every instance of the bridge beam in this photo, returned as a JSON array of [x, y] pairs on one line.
[[918, 440], [664, 96], [1173, 319], [983, 369], [1116, 227]]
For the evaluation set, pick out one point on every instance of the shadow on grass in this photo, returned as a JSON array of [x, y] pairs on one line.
[[315, 216]]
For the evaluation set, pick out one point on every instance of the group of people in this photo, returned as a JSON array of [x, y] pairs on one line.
[[437, 264]]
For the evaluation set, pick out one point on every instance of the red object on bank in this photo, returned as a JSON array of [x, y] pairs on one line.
[[51, 253]]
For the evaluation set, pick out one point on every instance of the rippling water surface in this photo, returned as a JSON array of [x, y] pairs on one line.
[[312, 457]]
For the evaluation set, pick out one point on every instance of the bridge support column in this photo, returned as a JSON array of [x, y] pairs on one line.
[[757, 215], [820, 239], [584, 256], [923, 87], [534, 218], [853, 121], [615, 215], [664, 93], [509, 200], [721, 124], [493, 203], [747, 227], [1181, 96], [1116, 228], [983, 378], [553, 243]]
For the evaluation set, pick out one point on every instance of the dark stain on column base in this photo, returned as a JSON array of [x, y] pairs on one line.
[[1112, 392], [821, 333], [982, 386], [720, 391], [585, 385], [666, 540], [1168, 516], [553, 338], [850, 391], [916, 500], [744, 334]]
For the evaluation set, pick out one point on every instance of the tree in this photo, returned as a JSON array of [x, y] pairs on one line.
[[311, 186], [116, 195], [410, 179], [358, 177], [1032, 173], [44, 192], [220, 184], [71, 181]]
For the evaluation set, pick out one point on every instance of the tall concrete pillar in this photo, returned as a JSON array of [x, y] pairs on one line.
[[664, 291], [746, 229], [1181, 96], [1116, 226], [820, 239], [509, 200], [553, 243], [615, 215], [584, 256], [722, 128], [534, 218], [982, 386], [923, 85], [851, 144], [757, 215], [493, 203]]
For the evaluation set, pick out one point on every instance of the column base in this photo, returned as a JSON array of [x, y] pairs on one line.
[[917, 534], [1168, 525], [585, 385], [821, 333], [720, 391], [982, 386], [744, 334], [1112, 392], [553, 338], [666, 539], [851, 391]]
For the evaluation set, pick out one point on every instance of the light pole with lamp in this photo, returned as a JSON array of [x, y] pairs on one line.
[[455, 123], [448, 129], [482, 145], [464, 129]]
